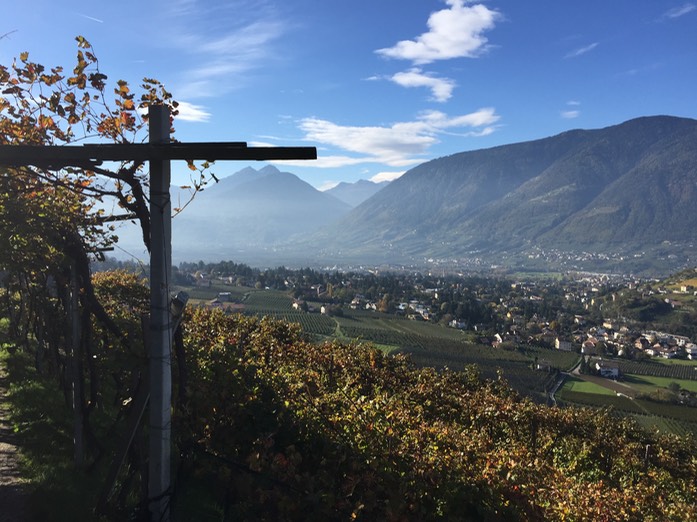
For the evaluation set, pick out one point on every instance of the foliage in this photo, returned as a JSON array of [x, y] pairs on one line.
[[271, 427], [288, 430]]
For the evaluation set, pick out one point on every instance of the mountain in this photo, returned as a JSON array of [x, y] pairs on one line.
[[354, 194], [629, 188], [251, 211]]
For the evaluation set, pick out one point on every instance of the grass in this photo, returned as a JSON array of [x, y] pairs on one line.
[[580, 386], [40, 418], [648, 383]]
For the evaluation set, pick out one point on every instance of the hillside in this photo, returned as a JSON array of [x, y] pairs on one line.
[[624, 188], [271, 427]]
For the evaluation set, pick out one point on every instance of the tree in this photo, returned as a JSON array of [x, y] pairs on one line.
[[53, 222], [48, 107]]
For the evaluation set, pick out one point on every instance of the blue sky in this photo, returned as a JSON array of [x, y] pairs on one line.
[[380, 86]]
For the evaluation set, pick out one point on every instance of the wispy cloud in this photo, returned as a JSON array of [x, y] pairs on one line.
[[456, 32], [91, 18], [190, 112], [582, 50], [639, 70], [399, 145], [221, 43], [441, 88], [677, 12], [572, 110], [386, 176]]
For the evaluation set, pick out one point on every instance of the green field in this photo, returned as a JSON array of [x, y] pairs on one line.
[[648, 383], [577, 385]]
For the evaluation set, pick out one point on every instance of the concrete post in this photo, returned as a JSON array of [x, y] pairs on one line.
[[160, 359]]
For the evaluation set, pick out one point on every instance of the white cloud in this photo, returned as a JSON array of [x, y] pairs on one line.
[[330, 161], [386, 176], [582, 50], [399, 145], [570, 115], [441, 88], [572, 111], [677, 12], [190, 112], [455, 32]]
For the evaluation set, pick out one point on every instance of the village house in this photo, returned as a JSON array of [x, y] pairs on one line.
[[608, 369], [564, 346], [691, 350], [642, 344], [203, 281], [460, 325], [589, 346], [543, 365]]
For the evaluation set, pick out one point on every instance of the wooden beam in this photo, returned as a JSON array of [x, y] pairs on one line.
[[80, 155]]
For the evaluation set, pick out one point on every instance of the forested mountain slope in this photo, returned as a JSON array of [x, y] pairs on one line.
[[626, 187]]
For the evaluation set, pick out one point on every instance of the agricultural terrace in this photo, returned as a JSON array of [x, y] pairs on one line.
[[428, 344], [643, 397]]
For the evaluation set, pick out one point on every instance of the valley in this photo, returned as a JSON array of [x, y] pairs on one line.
[[536, 333]]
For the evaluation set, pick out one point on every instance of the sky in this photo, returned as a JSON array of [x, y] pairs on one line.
[[379, 86]]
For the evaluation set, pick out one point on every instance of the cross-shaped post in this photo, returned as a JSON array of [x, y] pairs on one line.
[[158, 152]]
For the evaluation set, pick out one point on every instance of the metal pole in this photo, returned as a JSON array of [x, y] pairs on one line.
[[160, 323]]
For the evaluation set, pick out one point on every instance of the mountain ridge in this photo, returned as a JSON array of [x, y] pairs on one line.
[[552, 192], [621, 196]]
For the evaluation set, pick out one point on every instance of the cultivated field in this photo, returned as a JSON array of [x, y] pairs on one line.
[[435, 345]]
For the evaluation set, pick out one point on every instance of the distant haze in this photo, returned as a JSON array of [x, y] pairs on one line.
[[619, 197]]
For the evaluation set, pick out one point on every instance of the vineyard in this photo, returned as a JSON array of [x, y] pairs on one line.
[[313, 324], [666, 418], [431, 345], [266, 300], [666, 425], [426, 343], [656, 369]]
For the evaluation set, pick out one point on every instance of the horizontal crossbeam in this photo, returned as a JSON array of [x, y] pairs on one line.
[[81, 155]]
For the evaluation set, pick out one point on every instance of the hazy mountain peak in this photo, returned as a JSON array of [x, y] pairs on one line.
[[268, 169], [356, 193]]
